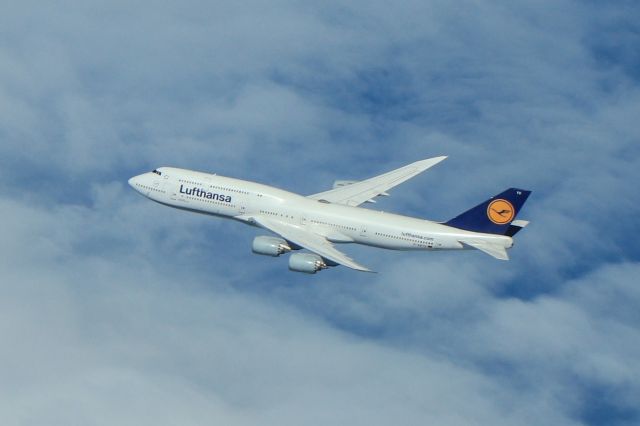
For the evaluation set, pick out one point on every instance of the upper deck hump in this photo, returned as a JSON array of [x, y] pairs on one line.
[[246, 185]]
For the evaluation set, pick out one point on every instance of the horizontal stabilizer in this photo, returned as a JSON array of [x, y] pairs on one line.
[[515, 227], [495, 250]]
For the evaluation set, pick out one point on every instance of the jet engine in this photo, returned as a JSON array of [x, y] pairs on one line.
[[270, 246], [306, 262]]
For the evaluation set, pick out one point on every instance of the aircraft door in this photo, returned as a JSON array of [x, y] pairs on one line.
[[172, 189], [165, 185], [157, 182]]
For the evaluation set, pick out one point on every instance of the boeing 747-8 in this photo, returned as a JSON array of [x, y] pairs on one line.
[[317, 221]]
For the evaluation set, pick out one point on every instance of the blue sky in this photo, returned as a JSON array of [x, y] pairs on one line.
[[117, 310]]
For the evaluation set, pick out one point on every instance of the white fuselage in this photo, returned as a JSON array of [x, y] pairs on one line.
[[241, 200]]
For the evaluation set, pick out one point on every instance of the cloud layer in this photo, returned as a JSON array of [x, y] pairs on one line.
[[116, 310]]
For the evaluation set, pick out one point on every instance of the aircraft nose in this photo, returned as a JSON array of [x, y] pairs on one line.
[[134, 181]]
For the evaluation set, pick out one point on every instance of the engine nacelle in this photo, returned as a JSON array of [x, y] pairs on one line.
[[306, 262], [270, 246]]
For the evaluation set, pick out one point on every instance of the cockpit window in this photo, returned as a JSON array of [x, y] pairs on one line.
[[157, 172]]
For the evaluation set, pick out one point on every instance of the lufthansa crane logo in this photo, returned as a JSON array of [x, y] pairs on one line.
[[500, 211]]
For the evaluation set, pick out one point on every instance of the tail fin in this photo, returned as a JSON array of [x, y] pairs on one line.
[[494, 216]]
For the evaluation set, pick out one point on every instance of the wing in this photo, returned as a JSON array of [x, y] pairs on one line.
[[362, 191], [309, 240]]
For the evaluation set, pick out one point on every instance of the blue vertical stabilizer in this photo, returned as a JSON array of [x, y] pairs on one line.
[[493, 216]]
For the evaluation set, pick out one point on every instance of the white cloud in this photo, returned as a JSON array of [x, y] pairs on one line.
[[116, 310], [99, 339]]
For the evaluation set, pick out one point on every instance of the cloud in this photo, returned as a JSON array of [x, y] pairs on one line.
[[105, 338], [115, 309]]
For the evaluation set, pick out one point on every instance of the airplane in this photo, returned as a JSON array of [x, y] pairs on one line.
[[319, 221]]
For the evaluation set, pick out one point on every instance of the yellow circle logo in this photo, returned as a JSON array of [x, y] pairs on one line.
[[500, 211]]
